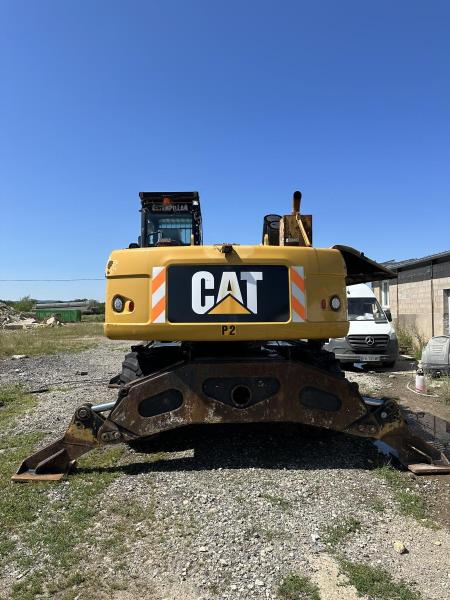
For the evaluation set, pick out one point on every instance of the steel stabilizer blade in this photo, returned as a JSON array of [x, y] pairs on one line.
[[54, 461], [417, 455], [386, 424]]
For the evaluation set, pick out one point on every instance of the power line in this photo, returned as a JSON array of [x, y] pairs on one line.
[[80, 279]]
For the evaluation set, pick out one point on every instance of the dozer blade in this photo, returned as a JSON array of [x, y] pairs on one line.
[[56, 460]]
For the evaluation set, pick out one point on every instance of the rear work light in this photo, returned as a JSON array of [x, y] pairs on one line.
[[335, 303], [118, 304]]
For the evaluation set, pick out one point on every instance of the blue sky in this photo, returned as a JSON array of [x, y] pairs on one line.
[[243, 101]]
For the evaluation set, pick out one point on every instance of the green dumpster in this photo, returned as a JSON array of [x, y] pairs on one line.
[[65, 315]]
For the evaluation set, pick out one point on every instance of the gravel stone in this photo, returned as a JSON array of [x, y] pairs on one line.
[[229, 511]]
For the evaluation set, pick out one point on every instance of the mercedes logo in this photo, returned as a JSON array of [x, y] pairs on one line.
[[370, 341]]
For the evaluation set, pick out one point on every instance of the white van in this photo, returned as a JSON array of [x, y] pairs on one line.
[[371, 337]]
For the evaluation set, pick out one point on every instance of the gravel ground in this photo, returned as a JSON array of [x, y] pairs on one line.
[[227, 512]]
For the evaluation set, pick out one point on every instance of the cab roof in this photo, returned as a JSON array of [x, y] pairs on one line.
[[148, 198], [359, 290]]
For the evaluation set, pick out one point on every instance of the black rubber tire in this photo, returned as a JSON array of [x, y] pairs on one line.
[[335, 369], [388, 364], [131, 368], [329, 363]]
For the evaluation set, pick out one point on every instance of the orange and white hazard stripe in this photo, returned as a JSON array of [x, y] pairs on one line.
[[158, 313], [298, 299]]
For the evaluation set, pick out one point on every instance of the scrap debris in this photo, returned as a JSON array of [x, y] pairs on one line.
[[10, 319]]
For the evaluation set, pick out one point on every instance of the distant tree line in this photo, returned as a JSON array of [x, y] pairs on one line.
[[27, 304]]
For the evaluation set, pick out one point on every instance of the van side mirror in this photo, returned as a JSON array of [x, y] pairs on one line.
[[387, 312]]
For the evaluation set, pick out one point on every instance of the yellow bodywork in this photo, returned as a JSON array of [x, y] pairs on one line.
[[129, 274]]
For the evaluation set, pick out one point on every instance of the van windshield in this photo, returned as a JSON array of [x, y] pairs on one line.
[[365, 309]]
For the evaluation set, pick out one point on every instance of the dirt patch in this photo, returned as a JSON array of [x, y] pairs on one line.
[[331, 582]]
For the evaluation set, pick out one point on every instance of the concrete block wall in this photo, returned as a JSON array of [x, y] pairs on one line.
[[441, 317], [393, 299], [376, 288], [414, 307]]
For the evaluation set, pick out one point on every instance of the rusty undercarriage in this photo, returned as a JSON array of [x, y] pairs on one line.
[[265, 382]]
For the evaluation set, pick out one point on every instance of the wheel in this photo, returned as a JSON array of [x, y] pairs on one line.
[[131, 368], [335, 368], [388, 364], [146, 359], [327, 361]]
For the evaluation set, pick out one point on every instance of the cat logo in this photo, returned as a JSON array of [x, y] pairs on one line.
[[226, 294], [229, 299]]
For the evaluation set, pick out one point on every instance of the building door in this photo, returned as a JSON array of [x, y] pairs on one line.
[[385, 294], [448, 311]]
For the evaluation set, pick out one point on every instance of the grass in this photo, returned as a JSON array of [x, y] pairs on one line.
[[13, 402], [72, 337], [333, 535], [441, 387], [410, 503], [298, 587], [278, 501], [412, 340], [376, 583], [444, 390], [42, 524], [49, 529], [377, 505], [93, 318]]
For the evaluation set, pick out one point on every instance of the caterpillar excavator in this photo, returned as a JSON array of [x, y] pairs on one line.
[[237, 336]]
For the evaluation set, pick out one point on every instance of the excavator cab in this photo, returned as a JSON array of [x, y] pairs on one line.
[[170, 219]]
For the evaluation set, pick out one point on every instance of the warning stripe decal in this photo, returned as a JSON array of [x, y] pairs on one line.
[[158, 314], [298, 301]]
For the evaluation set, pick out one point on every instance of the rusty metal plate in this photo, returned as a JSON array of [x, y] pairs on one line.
[[198, 407], [30, 476], [425, 469]]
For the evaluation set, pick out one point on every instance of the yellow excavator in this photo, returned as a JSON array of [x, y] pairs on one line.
[[237, 335]]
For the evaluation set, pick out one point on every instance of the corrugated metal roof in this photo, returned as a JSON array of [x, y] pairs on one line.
[[410, 263]]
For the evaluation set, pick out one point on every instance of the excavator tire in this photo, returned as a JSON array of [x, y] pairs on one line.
[[131, 368], [145, 359]]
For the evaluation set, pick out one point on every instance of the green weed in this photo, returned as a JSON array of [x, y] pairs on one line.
[[376, 583], [378, 505], [13, 401], [441, 387], [333, 535], [44, 525], [410, 503], [298, 587], [72, 337], [278, 501]]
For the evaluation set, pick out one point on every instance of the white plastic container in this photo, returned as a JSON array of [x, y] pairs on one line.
[[421, 385]]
